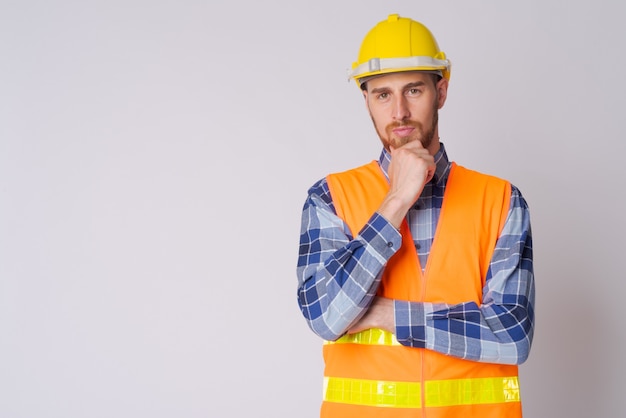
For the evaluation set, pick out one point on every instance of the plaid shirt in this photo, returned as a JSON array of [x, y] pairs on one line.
[[338, 276]]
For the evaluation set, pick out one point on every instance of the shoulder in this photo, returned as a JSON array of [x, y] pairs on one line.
[[478, 184], [478, 175], [370, 169], [320, 190], [517, 199], [358, 177]]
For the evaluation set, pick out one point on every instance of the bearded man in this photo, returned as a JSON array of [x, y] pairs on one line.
[[416, 271]]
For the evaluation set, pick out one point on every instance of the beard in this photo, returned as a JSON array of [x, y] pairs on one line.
[[424, 134]]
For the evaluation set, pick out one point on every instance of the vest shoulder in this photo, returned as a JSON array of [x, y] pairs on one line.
[[477, 175], [367, 174], [372, 166]]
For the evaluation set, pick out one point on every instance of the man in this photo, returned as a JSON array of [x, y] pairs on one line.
[[416, 271]]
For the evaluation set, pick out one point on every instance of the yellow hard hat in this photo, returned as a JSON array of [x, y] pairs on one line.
[[398, 44]]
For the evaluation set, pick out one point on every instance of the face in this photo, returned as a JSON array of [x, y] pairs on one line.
[[404, 107]]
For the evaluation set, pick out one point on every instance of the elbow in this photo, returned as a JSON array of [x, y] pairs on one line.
[[314, 314], [523, 351], [520, 349], [321, 329], [524, 343], [523, 347], [511, 353], [516, 339], [511, 346], [325, 333]]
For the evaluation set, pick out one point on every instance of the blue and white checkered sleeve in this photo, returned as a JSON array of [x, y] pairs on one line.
[[500, 330], [338, 275]]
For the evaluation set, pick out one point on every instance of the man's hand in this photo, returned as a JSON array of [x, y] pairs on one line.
[[380, 314], [411, 168]]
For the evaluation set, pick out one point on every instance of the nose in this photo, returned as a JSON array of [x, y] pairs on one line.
[[400, 108]]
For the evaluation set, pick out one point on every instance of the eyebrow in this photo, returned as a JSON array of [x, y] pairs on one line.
[[414, 84], [380, 90], [385, 89]]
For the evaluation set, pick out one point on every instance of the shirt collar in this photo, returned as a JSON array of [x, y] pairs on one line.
[[441, 161]]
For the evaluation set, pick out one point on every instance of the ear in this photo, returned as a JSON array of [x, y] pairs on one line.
[[442, 91]]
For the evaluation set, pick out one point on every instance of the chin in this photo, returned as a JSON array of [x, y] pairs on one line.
[[398, 142]]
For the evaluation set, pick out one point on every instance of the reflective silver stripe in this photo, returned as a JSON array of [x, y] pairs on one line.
[[381, 64]]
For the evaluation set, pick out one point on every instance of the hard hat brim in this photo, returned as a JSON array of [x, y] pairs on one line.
[[388, 65]]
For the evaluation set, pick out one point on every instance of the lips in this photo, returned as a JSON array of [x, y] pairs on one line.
[[403, 130]]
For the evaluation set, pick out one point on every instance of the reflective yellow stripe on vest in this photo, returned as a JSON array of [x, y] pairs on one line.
[[438, 393], [373, 336], [373, 392], [472, 391]]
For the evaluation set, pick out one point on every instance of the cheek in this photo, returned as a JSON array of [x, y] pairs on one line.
[[378, 117], [424, 112]]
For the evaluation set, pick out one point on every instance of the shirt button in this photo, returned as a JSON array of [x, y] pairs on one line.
[[390, 244], [417, 246], [416, 206]]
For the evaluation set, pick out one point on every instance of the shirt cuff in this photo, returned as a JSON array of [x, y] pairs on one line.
[[410, 321], [381, 236]]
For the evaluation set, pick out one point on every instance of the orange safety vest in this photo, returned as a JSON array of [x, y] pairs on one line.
[[370, 374]]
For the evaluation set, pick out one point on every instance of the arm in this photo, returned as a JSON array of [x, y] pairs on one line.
[[338, 275], [500, 330]]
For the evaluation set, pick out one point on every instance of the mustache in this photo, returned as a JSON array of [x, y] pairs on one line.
[[402, 124]]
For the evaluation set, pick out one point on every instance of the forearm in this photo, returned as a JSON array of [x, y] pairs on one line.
[[336, 291], [500, 327], [494, 334]]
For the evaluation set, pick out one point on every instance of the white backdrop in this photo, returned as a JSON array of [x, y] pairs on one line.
[[155, 156]]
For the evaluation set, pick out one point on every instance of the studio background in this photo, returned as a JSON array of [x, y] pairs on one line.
[[155, 156]]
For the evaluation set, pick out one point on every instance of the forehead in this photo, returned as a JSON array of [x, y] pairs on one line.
[[399, 79]]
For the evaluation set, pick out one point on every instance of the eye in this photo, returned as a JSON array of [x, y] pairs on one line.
[[413, 91], [383, 96]]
